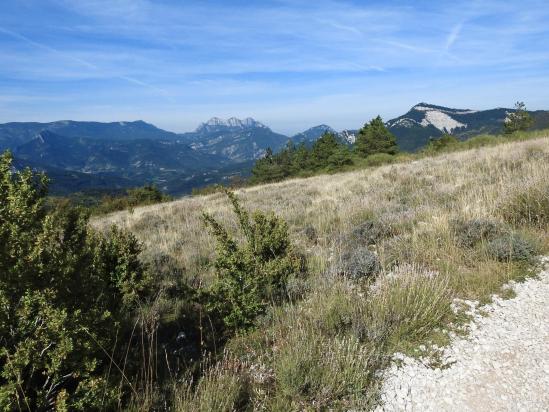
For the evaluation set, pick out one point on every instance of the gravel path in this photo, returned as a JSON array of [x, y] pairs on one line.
[[501, 365]]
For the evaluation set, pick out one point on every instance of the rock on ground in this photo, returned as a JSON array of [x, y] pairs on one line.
[[501, 365]]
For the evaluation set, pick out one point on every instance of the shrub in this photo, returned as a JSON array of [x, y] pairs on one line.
[[310, 233], [358, 263], [480, 141], [138, 196], [407, 308], [224, 387], [369, 232], [378, 159], [471, 232], [445, 142], [528, 206], [331, 374], [252, 275], [512, 247], [66, 294]]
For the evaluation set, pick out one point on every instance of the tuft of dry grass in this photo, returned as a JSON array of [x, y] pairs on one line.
[[307, 348]]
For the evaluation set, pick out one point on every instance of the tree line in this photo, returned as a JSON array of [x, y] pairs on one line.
[[327, 154]]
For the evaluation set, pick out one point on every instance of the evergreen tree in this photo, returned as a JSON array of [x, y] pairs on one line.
[[375, 138], [272, 167], [300, 159], [322, 149], [520, 119], [341, 157]]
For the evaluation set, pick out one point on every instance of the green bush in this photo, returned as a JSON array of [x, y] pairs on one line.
[[66, 294], [471, 232], [358, 263], [512, 247], [252, 275], [481, 141], [379, 159], [368, 232], [445, 142], [138, 196]]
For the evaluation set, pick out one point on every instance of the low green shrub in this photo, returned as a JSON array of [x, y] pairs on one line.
[[368, 232], [469, 233], [252, 275], [512, 247], [310, 233], [481, 141], [358, 263], [138, 196], [446, 142], [379, 159]]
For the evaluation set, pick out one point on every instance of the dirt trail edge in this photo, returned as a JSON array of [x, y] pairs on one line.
[[501, 365]]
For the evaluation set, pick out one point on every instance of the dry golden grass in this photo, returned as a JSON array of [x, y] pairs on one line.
[[424, 267], [418, 199]]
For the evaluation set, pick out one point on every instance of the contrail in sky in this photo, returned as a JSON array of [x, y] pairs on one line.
[[78, 60]]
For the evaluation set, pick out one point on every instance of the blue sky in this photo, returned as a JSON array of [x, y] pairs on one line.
[[289, 64]]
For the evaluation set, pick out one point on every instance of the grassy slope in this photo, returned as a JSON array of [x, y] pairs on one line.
[[307, 349]]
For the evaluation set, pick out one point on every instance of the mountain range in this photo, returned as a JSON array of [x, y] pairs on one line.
[[234, 139], [85, 155], [425, 121]]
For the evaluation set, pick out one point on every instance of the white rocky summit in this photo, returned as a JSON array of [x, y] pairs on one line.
[[441, 121], [230, 123], [430, 115]]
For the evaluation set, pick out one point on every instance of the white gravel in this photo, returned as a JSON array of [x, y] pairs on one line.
[[501, 365]]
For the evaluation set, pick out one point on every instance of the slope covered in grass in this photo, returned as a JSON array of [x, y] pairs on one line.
[[388, 249]]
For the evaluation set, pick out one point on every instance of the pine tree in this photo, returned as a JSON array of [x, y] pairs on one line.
[[520, 119], [375, 138], [322, 149], [300, 159]]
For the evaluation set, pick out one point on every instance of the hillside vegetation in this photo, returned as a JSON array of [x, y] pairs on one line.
[[286, 296], [385, 251]]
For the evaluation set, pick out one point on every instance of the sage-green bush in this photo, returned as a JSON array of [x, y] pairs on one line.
[[471, 232], [512, 247]]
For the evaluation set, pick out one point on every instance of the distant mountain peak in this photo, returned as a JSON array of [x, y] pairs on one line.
[[216, 123], [445, 119], [426, 107], [313, 133], [323, 126]]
